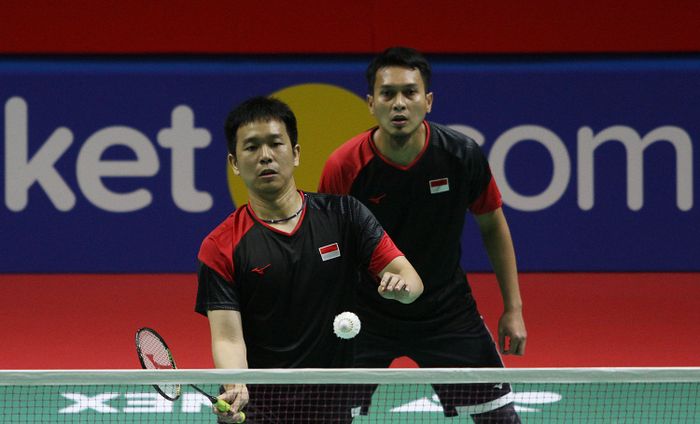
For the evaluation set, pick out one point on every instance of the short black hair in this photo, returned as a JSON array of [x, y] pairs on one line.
[[256, 109], [404, 57]]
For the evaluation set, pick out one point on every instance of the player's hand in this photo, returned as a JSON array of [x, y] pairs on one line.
[[237, 396], [512, 335], [393, 286]]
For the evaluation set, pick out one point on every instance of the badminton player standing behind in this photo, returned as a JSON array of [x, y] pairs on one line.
[[419, 179], [275, 273]]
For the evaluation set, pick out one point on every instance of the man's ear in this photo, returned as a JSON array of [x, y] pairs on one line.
[[233, 163], [297, 150], [370, 104]]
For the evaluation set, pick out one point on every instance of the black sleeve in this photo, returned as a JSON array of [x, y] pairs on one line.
[[368, 230], [478, 170], [214, 292]]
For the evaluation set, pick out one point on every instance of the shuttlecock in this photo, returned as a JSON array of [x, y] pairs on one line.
[[346, 325]]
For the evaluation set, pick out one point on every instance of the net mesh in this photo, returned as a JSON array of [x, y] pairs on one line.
[[359, 396]]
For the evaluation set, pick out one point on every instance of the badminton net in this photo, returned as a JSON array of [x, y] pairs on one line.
[[534, 395]]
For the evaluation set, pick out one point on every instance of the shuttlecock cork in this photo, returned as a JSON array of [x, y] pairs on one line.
[[346, 325]]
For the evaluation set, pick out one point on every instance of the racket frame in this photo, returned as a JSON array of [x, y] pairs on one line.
[[220, 404], [178, 388]]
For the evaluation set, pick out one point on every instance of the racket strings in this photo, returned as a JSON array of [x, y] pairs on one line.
[[155, 355]]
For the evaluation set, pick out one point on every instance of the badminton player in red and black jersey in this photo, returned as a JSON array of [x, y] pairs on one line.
[[275, 273], [420, 179]]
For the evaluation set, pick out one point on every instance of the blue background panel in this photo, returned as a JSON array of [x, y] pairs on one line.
[[493, 98]]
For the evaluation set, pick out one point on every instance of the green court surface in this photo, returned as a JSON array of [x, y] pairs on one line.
[[535, 403]]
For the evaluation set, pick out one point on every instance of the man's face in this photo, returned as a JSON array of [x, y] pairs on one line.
[[265, 158], [399, 101]]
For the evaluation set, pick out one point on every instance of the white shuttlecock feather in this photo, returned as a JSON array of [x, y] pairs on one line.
[[346, 325]]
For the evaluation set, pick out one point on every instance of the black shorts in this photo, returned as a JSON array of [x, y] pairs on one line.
[[454, 349], [299, 403]]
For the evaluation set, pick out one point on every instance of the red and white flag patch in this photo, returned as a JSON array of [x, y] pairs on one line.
[[440, 185], [329, 251]]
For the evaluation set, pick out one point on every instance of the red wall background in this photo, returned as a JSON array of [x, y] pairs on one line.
[[88, 321], [358, 26]]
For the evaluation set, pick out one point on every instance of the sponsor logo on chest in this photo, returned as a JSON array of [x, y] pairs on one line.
[[439, 185], [260, 270], [329, 251]]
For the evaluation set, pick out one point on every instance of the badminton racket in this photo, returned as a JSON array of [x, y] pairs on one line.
[[154, 353]]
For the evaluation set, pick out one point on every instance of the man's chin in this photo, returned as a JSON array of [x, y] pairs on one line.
[[405, 130], [267, 188], [400, 136]]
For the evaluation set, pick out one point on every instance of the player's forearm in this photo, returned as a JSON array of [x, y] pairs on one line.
[[499, 248], [227, 342], [229, 354], [503, 263]]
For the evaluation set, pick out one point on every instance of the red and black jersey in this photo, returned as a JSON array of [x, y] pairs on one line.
[[289, 287], [422, 206]]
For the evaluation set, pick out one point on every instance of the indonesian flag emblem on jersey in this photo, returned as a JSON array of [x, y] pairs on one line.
[[440, 185], [329, 251]]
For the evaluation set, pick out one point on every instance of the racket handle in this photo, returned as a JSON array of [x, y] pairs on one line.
[[222, 405]]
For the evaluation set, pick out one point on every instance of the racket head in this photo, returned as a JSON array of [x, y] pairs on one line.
[[154, 354]]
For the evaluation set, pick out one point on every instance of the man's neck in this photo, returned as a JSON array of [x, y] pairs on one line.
[[276, 206], [401, 151]]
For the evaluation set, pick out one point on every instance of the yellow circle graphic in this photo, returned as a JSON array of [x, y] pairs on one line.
[[327, 116]]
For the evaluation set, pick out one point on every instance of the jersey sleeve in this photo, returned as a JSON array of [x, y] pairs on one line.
[[484, 195], [376, 247], [214, 292], [332, 178], [385, 252], [345, 163], [215, 276], [488, 201]]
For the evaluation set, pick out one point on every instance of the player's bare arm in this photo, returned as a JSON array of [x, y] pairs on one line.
[[229, 351], [399, 281], [495, 234]]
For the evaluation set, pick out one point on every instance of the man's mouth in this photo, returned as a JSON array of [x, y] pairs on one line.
[[399, 120], [266, 172]]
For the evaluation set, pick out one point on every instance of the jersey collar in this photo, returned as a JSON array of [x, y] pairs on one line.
[[388, 161], [277, 230]]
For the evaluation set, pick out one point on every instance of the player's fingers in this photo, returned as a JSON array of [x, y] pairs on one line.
[[231, 416], [401, 285], [519, 348], [238, 417], [229, 396], [241, 400], [383, 282], [387, 283], [391, 283], [225, 417], [502, 343], [222, 400], [397, 283]]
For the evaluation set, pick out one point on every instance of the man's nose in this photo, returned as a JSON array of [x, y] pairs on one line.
[[399, 102], [265, 154]]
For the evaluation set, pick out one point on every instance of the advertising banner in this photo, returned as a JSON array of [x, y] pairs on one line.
[[119, 164]]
